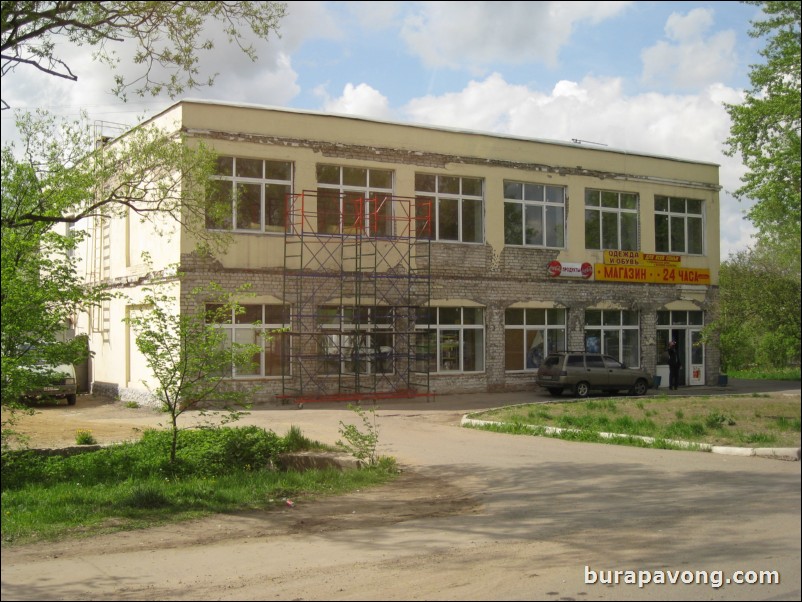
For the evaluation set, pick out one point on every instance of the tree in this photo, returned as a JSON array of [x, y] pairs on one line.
[[148, 173], [759, 310], [766, 128], [167, 35], [59, 177], [41, 292], [189, 357]]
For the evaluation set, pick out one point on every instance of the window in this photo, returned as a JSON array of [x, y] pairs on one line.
[[534, 215], [530, 335], [357, 339], [249, 195], [450, 339], [354, 200], [261, 325], [457, 207], [678, 225], [611, 220], [613, 332]]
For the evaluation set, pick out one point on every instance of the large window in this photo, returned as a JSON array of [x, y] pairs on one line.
[[613, 332], [534, 215], [611, 220], [357, 339], [450, 339], [249, 195], [354, 200], [678, 225], [530, 335], [263, 325], [457, 207]]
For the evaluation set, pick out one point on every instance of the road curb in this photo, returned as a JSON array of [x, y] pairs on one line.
[[774, 453]]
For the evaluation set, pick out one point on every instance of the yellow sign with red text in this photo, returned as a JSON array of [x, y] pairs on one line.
[[655, 274], [638, 258]]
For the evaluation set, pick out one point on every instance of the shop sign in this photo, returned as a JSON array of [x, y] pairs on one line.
[[570, 270], [666, 274], [637, 258]]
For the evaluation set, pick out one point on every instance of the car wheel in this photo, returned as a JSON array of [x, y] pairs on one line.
[[555, 391], [71, 399], [582, 389], [640, 387]]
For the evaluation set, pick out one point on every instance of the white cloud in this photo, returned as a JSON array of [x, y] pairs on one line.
[[689, 59], [597, 110], [475, 34], [358, 100]]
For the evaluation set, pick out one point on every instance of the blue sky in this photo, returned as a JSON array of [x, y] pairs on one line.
[[642, 76]]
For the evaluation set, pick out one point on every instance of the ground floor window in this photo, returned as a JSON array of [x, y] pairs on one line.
[[450, 339], [530, 335], [356, 340], [613, 332], [263, 325]]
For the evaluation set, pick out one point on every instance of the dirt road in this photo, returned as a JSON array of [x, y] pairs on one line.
[[475, 516]]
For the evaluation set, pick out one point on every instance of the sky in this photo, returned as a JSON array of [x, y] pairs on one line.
[[650, 77]]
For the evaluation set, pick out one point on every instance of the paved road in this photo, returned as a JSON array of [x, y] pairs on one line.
[[552, 516]]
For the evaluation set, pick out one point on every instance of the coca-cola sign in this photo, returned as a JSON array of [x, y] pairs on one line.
[[570, 270]]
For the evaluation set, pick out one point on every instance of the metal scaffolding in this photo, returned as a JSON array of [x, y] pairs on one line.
[[355, 274]]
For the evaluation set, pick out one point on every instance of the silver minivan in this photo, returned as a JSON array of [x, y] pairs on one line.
[[582, 372]]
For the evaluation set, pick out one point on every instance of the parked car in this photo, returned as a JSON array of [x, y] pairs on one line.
[[62, 386], [581, 372]]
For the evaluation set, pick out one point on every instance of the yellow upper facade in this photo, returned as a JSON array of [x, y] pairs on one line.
[[485, 189]]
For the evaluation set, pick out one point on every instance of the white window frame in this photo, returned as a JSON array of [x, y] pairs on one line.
[[437, 195], [264, 332], [612, 203], [536, 200], [539, 337], [678, 215], [450, 339], [377, 200], [263, 182], [622, 325]]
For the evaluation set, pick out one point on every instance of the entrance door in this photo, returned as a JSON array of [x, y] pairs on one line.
[[696, 353]]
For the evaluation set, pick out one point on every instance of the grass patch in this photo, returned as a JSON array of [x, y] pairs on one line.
[[779, 374], [738, 421], [133, 485]]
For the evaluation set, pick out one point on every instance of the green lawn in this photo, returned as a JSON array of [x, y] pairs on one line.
[[739, 421]]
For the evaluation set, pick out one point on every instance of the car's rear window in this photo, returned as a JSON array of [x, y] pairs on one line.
[[576, 360]]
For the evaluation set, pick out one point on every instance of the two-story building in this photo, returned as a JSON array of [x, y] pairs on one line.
[[401, 259]]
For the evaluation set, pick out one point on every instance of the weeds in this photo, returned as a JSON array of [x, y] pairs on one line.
[[84, 437], [361, 443]]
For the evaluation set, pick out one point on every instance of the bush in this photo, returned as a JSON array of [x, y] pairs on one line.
[[206, 452]]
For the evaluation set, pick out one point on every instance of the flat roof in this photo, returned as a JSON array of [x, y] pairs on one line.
[[575, 143]]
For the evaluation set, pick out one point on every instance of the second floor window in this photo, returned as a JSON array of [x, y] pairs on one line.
[[354, 200], [534, 215], [678, 225], [611, 220], [457, 207], [249, 195]]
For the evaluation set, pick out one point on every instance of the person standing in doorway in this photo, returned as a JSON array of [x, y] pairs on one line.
[[673, 365]]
